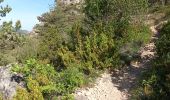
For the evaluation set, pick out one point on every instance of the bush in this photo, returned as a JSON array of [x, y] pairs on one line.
[[10, 39], [163, 43], [137, 36], [106, 20], [42, 81], [33, 92], [3, 59], [71, 78], [91, 47], [96, 51], [50, 41], [27, 50], [22, 94], [39, 75]]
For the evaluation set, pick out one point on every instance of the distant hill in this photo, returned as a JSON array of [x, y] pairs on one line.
[[19, 31], [23, 31]]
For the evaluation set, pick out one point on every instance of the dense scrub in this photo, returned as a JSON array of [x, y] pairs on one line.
[[93, 44], [79, 63], [73, 48], [42, 81], [10, 39]]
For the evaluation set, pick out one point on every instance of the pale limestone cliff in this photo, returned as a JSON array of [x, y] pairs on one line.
[[70, 2]]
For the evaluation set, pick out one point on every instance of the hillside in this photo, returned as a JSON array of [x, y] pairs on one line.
[[88, 50]]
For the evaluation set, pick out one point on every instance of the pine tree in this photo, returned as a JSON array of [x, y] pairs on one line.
[[17, 25], [4, 10]]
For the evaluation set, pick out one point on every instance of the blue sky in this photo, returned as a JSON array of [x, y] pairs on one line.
[[27, 11]]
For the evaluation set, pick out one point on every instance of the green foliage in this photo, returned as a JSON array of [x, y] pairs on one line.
[[22, 94], [114, 12], [97, 50], [96, 43], [43, 80], [43, 75], [4, 10], [33, 94], [34, 88], [158, 2], [156, 83], [49, 43], [161, 10], [92, 45], [60, 17], [163, 46], [70, 79], [53, 33], [27, 50], [68, 97], [10, 39], [3, 60], [137, 36], [17, 25], [76, 51]]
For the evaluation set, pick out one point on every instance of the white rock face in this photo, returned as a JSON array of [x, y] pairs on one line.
[[68, 2], [8, 85], [7, 88]]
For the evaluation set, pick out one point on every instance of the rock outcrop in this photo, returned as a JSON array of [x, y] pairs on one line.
[[69, 2], [9, 82]]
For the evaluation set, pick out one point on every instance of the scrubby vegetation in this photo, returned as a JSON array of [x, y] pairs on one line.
[[154, 84], [92, 45], [75, 44], [42, 80]]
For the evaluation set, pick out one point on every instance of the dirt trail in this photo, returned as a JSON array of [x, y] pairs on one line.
[[116, 86]]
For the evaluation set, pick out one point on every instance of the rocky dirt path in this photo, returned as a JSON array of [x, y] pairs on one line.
[[116, 86]]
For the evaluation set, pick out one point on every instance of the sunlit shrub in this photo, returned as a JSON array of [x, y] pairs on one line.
[[22, 94], [33, 92], [44, 76]]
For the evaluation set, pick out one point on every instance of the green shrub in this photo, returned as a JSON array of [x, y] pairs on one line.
[[43, 80], [163, 43], [137, 36], [68, 97], [105, 20], [72, 78], [33, 92], [22, 94], [3, 59], [27, 50], [10, 39], [43, 75], [34, 89], [98, 50], [91, 47]]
